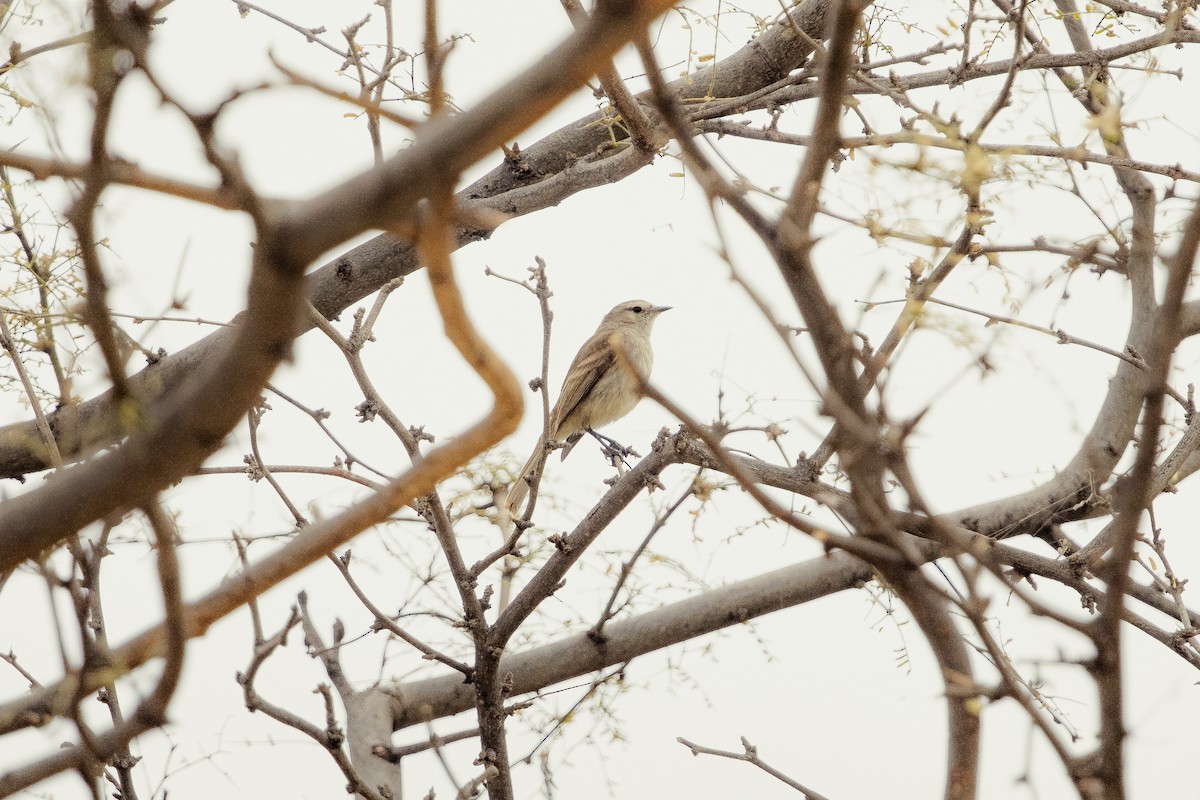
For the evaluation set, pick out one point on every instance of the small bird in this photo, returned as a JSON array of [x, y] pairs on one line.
[[598, 389]]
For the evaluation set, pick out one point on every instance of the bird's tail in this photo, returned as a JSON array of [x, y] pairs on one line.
[[520, 486]]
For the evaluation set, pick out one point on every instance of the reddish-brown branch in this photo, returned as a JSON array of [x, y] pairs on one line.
[[184, 429], [543, 175]]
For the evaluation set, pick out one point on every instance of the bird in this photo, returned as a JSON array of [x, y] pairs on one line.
[[598, 389]]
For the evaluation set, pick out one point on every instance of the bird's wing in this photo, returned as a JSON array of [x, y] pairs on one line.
[[590, 365]]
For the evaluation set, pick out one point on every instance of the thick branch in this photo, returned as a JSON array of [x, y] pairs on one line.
[[178, 434], [532, 670], [541, 176]]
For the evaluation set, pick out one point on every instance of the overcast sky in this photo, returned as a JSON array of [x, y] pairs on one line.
[[837, 693]]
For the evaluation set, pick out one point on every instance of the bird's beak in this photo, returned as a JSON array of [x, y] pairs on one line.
[[660, 309]]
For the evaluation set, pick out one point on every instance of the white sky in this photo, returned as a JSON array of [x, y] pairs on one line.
[[818, 688]]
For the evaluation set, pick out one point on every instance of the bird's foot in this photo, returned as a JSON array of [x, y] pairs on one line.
[[613, 450]]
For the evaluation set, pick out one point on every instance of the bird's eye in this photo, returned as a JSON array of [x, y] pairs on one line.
[[637, 309]]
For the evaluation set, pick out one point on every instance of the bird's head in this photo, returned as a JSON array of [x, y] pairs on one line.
[[639, 313]]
